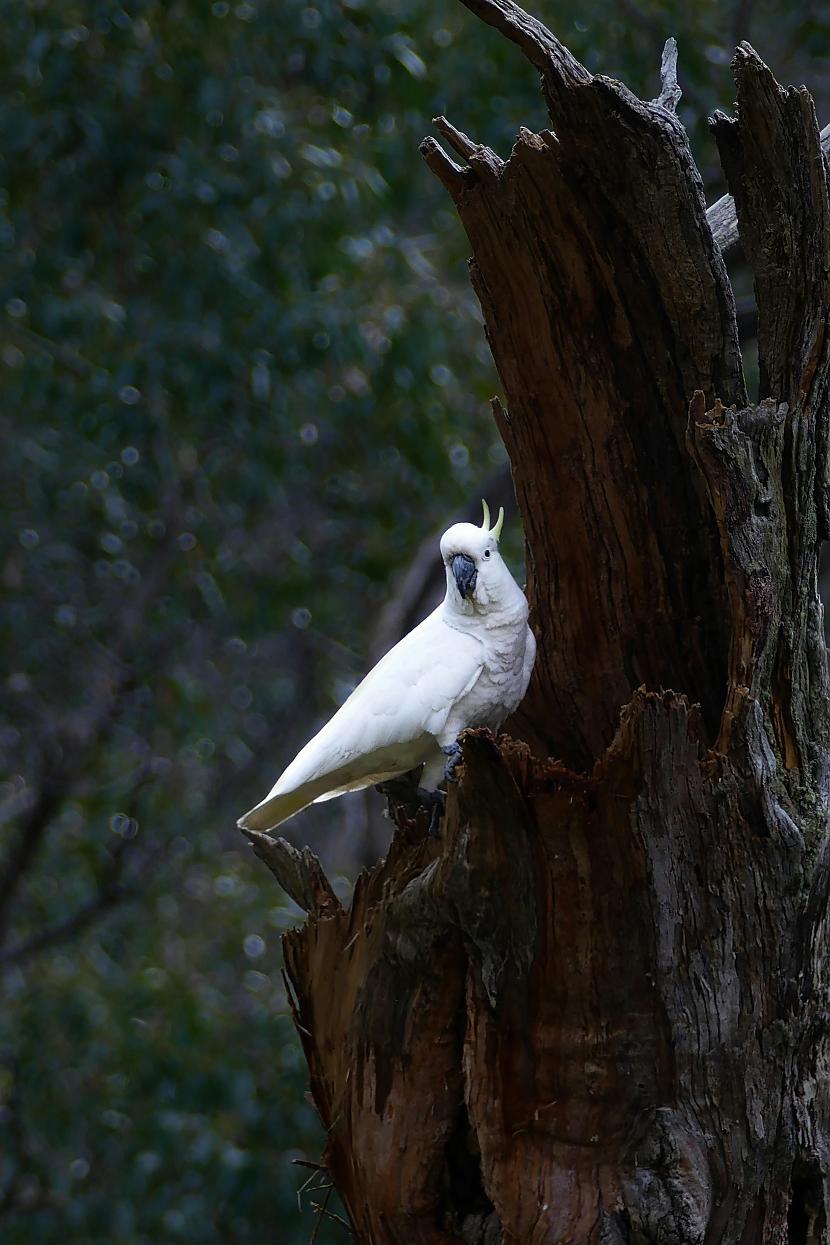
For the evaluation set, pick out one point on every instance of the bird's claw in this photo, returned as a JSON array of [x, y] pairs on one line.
[[438, 801], [404, 791], [453, 754]]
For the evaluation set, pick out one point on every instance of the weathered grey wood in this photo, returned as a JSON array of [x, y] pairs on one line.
[[723, 219], [670, 92], [772, 156], [300, 874]]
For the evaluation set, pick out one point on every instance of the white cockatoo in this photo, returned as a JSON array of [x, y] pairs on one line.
[[467, 664]]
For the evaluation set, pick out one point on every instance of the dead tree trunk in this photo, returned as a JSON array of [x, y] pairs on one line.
[[596, 1011]]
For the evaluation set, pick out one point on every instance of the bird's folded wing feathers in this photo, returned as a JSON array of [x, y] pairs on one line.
[[407, 696]]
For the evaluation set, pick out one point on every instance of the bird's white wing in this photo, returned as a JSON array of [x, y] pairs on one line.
[[388, 725]]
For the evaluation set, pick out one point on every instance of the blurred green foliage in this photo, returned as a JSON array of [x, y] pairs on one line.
[[243, 376]]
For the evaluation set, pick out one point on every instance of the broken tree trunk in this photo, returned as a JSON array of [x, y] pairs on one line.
[[596, 1010]]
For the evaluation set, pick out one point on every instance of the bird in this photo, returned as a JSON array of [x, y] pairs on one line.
[[468, 664]]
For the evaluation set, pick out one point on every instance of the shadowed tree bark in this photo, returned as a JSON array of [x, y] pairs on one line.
[[596, 1010]]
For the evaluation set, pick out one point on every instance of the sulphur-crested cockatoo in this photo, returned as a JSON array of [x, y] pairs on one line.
[[467, 664]]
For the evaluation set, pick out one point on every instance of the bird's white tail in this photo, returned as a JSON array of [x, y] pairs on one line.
[[274, 810]]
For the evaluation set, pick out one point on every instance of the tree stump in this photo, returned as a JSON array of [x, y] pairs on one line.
[[596, 1010]]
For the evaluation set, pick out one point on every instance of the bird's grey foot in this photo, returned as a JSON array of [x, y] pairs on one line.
[[405, 792], [453, 754], [436, 801]]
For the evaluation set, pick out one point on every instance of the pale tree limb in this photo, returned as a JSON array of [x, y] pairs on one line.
[[670, 92], [299, 873]]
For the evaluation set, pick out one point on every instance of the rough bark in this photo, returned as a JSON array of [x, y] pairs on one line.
[[596, 1010]]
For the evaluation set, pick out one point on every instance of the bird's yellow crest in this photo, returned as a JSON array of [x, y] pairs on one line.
[[495, 530]]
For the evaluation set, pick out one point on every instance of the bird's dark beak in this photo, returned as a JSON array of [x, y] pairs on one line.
[[464, 570]]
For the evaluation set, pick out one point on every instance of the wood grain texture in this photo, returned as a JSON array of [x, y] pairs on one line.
[[596, 1011], [606, 304]]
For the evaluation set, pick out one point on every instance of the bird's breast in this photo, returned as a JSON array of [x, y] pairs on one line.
[[500, 686]]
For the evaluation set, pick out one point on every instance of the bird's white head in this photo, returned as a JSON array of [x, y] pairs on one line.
[[478, 580]]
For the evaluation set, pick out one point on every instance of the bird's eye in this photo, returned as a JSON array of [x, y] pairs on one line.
[[486, 553]]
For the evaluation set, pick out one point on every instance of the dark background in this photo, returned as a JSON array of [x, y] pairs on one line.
[[243, 379]]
